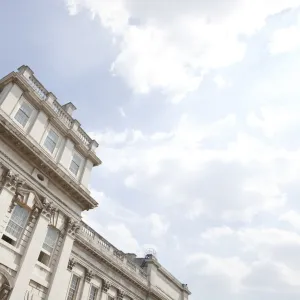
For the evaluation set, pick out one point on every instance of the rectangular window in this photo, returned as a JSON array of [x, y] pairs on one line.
[[51, 141], [17, 221], [24, 113], [75, 164], [48, 245], [73, 288], [93, 293]]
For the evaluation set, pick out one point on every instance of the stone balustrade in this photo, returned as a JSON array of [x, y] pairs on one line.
[[111, 252], [62, 115]]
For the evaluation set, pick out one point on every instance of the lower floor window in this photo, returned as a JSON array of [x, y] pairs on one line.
[[93, 293], [73, 288]]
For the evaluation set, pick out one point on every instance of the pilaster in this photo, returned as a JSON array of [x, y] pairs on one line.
[[61, 274], [31, 254], [87, 284]]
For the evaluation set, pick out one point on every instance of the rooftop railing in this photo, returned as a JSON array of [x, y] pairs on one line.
[[111, 252], [61, 113]]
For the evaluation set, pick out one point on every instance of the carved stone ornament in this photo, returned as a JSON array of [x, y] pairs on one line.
[[34, 214], [120, 295], [48, 209], [71, 263], [106, 286], [72, 227], [89, 275], [12, 181]]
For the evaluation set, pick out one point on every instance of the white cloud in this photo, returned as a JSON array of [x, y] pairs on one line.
[[171, 49], [159, 225], [221, 82], [291, 217], [285, 40]]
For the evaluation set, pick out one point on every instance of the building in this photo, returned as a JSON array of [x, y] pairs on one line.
[[46, 251]]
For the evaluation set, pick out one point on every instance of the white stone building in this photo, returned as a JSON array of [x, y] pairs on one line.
[[46, 251]]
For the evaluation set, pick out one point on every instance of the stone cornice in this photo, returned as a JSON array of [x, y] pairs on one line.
[[26, 148]]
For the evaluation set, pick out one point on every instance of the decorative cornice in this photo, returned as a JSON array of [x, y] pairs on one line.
[[71, 263], [106, 286], [89, 275]]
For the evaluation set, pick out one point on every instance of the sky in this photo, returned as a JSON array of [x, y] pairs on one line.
[[195, 105]]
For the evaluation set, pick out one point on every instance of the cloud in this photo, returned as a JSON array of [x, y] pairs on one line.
[[159, 226], [170, 50], [285, 40]]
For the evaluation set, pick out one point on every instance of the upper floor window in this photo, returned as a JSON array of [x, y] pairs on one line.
[[73, 288], [93, 293], [51, 141], [48, 245], [24, 113], [75, 163], [16, 224]]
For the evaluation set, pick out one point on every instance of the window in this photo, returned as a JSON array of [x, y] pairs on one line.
[[49, 245], [93, 293], [51, 141], [75, 164], [73, 288], [23, 114], [16, 224]]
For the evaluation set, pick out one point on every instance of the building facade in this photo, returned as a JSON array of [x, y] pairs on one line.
[[46, 251]]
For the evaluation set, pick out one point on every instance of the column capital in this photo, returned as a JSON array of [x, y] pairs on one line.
[[106, 286], [72, 262], [72, 227], [12, 181], [89, 275], [120, 295], [47, 209]]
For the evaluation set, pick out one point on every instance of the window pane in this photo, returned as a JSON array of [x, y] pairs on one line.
[[73, 288], [50, 240], [93, 293], [75, 164], [23, 114], [17, 221], [51, 141]]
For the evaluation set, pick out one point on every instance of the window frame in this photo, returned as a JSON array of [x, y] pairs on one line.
[[95, 295], [10, 235], [75, 295], [76, 153], [45, 136], [18, 108], [46, 252]]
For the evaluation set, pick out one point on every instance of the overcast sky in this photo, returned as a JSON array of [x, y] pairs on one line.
[[196, 107]]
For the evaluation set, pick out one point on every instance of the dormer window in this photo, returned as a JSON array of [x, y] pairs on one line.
[[24, 113], [51, 141], [75, 163]]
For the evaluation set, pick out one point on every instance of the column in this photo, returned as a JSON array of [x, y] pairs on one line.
[[10, 182], [39, 126], [105, 287], [87, 284], [32, 252], [61, 275]]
